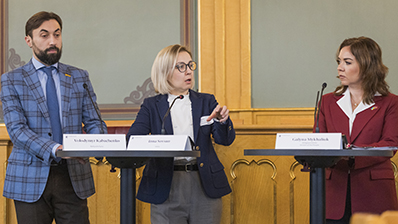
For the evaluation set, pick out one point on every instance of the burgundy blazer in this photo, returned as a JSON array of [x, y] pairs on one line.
[[372, 178]]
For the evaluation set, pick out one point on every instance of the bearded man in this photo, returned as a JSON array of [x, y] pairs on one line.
[[43, 100]]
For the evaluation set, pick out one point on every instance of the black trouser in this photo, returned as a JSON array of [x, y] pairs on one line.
[[58, 202]]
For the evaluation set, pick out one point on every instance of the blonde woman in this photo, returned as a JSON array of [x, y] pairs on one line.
[[182, 190]]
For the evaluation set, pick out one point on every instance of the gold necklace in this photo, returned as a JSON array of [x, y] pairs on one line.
[[354, 104]]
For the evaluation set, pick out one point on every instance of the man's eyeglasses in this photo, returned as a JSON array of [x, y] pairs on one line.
[[182, 67]]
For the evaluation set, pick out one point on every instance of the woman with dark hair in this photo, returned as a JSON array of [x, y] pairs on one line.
[[363, 109], [182, 190]]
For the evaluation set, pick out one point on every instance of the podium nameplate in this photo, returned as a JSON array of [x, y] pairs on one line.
[[94, 142], [160, 142], [308, 141]]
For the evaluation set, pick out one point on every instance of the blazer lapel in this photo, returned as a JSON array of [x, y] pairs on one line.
[[196, 102], [162, 106], [364, 117], [65, 79], [340, 119], [33, 83]]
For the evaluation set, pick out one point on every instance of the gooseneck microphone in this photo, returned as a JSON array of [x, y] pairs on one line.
[[318, 108], [163, 131], [95, 107]]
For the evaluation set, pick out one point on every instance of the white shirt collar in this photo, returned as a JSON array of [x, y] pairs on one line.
[[345, 105], [171, 97]]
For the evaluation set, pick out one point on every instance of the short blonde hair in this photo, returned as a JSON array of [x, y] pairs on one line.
[[163, 67]]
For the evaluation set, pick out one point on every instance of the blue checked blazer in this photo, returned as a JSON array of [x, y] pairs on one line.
[[158, 173], [28, 124]]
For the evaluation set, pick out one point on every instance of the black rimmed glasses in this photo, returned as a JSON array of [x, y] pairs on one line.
[[182, 67]]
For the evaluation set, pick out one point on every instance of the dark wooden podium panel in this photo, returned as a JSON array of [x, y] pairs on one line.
[[318, 152], [127, 153]]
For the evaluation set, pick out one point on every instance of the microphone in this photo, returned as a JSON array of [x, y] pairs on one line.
[[95, 107], [316, 106], [163, 131], [319, 107]]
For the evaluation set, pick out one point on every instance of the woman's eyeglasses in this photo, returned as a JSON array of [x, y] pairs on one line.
[[182, 67]]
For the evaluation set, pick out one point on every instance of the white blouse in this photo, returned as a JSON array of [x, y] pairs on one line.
[[181, 117], [345, 105]]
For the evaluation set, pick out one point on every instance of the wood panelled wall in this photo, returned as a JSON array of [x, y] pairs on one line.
[[265, 189], [224, 51]]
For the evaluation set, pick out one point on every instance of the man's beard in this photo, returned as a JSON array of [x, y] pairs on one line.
[[46, 58]]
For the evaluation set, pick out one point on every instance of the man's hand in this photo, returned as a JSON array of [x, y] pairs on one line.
[[80, 159]]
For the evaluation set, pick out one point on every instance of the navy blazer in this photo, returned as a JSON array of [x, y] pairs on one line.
[[158, 173]]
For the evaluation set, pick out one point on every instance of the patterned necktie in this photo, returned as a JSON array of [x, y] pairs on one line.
[[53, 106]]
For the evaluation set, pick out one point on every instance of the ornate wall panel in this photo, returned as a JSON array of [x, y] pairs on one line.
[[253, 198], [298, 194]]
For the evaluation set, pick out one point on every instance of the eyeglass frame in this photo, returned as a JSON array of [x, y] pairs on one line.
[[189, 65]]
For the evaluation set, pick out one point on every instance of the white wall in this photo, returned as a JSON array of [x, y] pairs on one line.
[[294, 43], [116, 41]]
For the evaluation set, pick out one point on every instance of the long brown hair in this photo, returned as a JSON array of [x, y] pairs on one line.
[[372, 70]]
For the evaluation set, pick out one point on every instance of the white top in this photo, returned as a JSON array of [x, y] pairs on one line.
[[345, 105], [181, 117]]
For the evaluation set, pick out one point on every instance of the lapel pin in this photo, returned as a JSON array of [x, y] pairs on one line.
[[67, 75], [374, 108]]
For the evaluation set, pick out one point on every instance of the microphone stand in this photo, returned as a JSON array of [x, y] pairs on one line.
[[163, 131], [319, 106], [95, 107]]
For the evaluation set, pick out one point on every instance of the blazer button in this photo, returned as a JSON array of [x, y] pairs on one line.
[[197, 148], [49, 134], [201, 165]]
